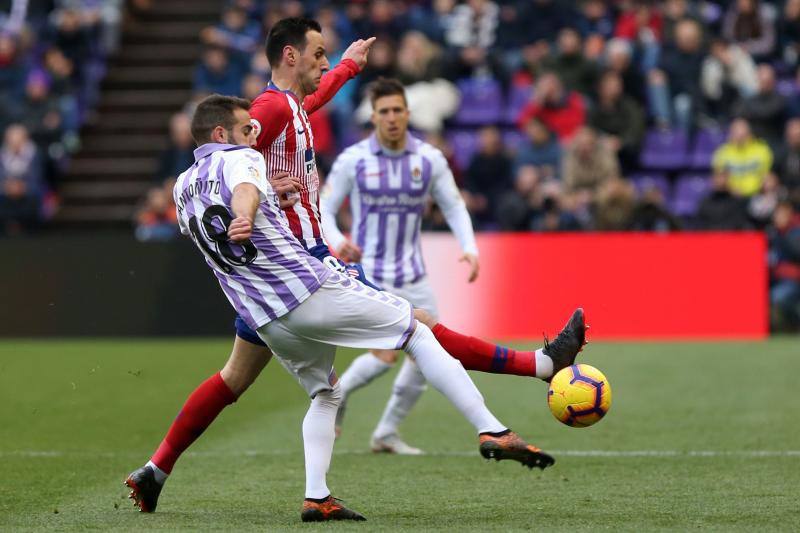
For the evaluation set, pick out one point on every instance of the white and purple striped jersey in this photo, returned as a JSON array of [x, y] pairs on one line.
[[388, 192], [265, 277]]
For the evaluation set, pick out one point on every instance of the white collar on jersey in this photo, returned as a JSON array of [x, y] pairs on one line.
[[205, 149], [412, 144]]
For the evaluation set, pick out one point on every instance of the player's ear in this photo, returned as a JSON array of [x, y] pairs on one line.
[[289, 55], [219, 135]]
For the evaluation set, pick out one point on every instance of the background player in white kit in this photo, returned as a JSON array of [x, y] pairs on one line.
[[389, 177], [301, 308]]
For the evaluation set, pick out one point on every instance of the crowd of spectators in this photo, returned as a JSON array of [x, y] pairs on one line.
[[569, 115], [52, 57]]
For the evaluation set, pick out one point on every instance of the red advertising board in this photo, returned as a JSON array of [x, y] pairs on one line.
[[632, 285]]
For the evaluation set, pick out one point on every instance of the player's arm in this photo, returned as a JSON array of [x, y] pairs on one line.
[[447, 196], [246, 178], [339, 185], [244, 204], [353, 60]]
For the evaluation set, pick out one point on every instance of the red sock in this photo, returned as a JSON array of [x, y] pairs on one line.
[[477, 354], [200, 409]]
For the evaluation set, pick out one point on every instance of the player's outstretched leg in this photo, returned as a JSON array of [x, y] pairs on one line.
[[449, 377], [246, 362], [477, 354]]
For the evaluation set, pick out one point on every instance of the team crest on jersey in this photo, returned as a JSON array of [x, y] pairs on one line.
[[253, 171], [256, 126], [416, 174]]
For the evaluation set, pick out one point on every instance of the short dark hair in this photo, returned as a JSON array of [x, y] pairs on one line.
[[289, 31], [386, 87], [215, 110]]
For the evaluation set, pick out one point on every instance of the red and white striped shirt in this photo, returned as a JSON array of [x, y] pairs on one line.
[[285, 139]]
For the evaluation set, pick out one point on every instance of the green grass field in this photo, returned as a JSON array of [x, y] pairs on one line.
[[700, 436]]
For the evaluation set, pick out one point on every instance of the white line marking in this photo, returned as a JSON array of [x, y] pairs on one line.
[[474, 453]]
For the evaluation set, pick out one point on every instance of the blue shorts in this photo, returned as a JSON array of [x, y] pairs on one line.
[[321, 252]]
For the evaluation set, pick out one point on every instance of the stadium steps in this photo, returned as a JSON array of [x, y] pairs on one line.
[[148, 80]]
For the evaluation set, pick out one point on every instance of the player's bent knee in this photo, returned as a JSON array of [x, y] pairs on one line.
[[332, 397]]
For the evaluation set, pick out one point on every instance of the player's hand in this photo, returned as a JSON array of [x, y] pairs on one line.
[[474, 266], [240, 229], [287, 188], [349, 252], [358, 51]]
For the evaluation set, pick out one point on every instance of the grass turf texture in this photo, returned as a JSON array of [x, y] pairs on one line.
[[77, 416]]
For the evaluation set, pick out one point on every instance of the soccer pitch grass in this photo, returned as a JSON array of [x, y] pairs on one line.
[[699, 435]]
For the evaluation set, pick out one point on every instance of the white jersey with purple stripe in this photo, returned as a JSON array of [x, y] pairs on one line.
[[388, 194], [270, 274]]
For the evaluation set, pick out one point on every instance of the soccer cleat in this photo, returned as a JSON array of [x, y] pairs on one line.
[[566, 346], [144, 489], [393, 444], [512, 446], [330, 509]]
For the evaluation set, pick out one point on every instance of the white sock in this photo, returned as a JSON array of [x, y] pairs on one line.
[[159, 474], [544, 365], [408, 387], [361, 371], [318, 437], [449, 377]]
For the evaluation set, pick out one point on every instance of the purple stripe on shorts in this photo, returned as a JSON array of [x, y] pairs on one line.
[[407, 333]]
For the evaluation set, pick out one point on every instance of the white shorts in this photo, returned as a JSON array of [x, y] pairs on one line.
[[343, 312], [419, 294]]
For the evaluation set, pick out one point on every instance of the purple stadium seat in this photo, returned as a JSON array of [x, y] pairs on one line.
[[465, 144], [518, 96], [644, 181], [664, 150], [690, 189], [513, 139], [705, 143], [481, 102], [787, 88]]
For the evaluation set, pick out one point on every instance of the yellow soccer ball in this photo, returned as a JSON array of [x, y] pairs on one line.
[[579, 395]]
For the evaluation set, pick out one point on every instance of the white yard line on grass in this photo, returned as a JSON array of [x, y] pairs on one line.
[[571, 453]]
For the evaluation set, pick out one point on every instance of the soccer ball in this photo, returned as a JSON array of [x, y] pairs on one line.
[[579, 395]]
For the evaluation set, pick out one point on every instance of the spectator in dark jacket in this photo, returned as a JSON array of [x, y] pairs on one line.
[[12, 69], [20, 181], [575, 71], [787, 161], [216, 74], [674, 87], [751, 24], [180, 154], [40, 113], [766, 110], [71, 36], [620, 118], [721, 210], [784, 262], [488, 175], [619, 58]]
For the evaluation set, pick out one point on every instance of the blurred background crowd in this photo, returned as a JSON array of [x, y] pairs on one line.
[[555, 115]]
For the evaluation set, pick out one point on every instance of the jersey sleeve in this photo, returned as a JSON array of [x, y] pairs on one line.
[[270, 115], [248, 167], [338, 186], [448, 198], [330, 84]]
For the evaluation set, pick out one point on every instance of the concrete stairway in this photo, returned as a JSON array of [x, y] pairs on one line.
[[148, 80]]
